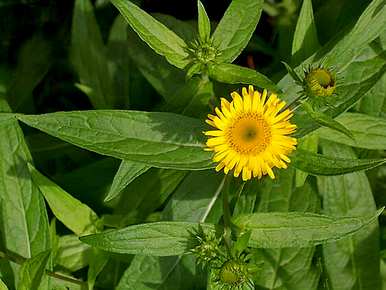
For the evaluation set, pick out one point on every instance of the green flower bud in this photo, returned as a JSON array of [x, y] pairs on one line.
[[206, 247], [203, 52], [234, 274], [319, 82]]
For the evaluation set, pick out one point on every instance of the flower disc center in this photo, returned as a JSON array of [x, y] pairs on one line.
[[322, 77], [249, 134]]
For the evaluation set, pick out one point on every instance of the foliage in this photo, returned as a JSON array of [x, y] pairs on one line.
[[104, 180]]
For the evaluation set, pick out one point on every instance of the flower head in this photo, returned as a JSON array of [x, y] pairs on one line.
[[319, 82], [234, 274], [251, 134], [205, 247]]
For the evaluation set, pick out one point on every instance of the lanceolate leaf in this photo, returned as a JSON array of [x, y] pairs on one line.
[[23, 215], [310, 144], [195, 200], [269, 230], [195, 197], [98, 261], [151, 190], [160, 38], [32, 271], [155, 239], [236, 27], [30, 70], [357, 65], [190, 97], [305, 41], [294, 75], [3, 286], [72, 254], [75, 215], [234, 74], [375, 99], [287, 268], [203, 22], [318, 164], [88, 55], [368, 27], [158, 139], [294, 229], [127, 172], [353, 262], [369, 132], [326, 121]]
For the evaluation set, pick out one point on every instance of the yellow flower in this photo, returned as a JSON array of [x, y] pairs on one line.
[[251, 135]]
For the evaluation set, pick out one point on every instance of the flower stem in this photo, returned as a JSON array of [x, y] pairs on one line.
[[227, 216]]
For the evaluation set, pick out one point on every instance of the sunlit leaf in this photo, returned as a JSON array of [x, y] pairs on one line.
[[235, 28], [157, 139], [154, 33]]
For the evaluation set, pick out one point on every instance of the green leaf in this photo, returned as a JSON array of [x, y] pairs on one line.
[[353, 262], [98, 174], [358, 65], [368, 27], [309, 144], [269, 230], [148, 272], [3, 286], [88, 55], [236, 27], [295, 229], [189, 97], [73, 255], [127, 172], [247, 198], [369, 132], [160, 38], [195, 197], [241, 243], [318, 164], [383, 273], [287, 268], [187, 30], [326, 121], [234, 74], [194, 200], [194, 69], [155, 239], [31, 69], [23, 215], [98, 261], [293, 73], [32, 271], [374, 100], [151, 189], [196, 93], [123, 73], [305, 41], [157, 139], [75, 215], [203, 22]]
